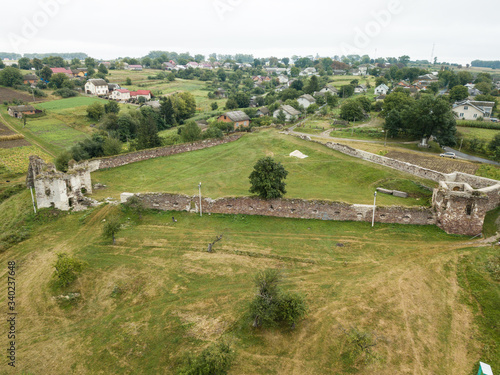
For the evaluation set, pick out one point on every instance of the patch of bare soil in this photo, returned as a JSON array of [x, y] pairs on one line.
[[7, 94]]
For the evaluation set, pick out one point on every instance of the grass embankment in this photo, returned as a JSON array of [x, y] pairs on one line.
[[224, 171], [157, 295]]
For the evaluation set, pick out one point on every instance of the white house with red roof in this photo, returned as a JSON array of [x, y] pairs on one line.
[[120, 94], [141, 93]]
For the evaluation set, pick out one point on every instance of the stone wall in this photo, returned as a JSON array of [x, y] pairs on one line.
[[288, 208], [388, 162], [132, 157]]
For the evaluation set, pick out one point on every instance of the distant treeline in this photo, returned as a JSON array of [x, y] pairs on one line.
[[65, 56], [10, 56], [486, 64], [176, 56]]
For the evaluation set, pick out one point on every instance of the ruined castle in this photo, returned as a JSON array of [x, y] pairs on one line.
[[459, 203]]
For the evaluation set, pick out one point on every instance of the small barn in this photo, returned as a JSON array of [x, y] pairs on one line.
[[238, 118]]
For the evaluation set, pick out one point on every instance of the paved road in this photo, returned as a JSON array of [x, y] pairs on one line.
[[470, 157]]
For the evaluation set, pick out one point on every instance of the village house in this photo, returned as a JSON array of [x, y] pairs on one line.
[[192, 64], [308, 72], [289, 111], [68, 72], [113, 86], [382, 89], [329, 89], [472, 110], [30, 79], [79, 72], [283, 79], [359, 89], [146, 94], [120, 95], [98, 87], [264, 111], [20, 110], [238, 118], [306, 100], [133, 67]]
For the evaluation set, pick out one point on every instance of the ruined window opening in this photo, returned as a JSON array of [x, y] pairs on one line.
[[83, 190], [68, 186], [70, 202], [468, 209], [47, 192]]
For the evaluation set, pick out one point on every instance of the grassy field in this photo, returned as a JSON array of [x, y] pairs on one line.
[[157, 295], [224, 171], [16, 159], [64, 124], [483, 134]]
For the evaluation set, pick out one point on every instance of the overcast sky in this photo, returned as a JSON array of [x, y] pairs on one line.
[[460, 30]]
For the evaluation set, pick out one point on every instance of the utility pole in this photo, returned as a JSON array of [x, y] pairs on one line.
[[462, 141], [374, 205], [33, 199], [199, 189]]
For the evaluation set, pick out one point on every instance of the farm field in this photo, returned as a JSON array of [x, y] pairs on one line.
[[64, 124], [224, 171], [164, 87], [8, 94], [11, 143], [157, 295], [16, 159]]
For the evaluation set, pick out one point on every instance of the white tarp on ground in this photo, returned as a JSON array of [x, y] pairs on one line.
[[298, 154]]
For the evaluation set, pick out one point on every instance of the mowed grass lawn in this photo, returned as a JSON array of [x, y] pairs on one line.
[[224, 170], [157, 295]]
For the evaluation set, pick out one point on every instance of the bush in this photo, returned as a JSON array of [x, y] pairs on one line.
[[62, 161], [67, 269], [111, 146], [271, 305], [214, 360], [266, 179], [65, 93]]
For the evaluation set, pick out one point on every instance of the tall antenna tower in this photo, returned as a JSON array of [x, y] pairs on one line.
[[432, 53]]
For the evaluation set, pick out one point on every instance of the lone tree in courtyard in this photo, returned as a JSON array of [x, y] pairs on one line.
[[267, 179]]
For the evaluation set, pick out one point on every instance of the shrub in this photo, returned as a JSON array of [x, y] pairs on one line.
[[271, 305], [111, 146], [67, 269], [62, 161], [214, 360], [65, 93]]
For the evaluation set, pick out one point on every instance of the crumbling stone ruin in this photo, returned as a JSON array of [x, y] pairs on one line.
[[63, 191]]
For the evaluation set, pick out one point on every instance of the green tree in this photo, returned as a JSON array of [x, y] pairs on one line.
[[393, 123], [102, 69], [365, 102], [95, 111], [332, 100], [147, 133], [167, 111], [90, 62], [111, 227], [24, 63], [190, 132], [431, 116], [67, 269], [128, 81], [484, 87], [281, 118], [494, 147], [62, 161], [458, 93], [351, 110], [312, 86], [464, 77], [58, 80], [267, 179], [396, 100], [231, 104], [346, 91], [221, 74], [242, 99], [111, 107], [37, 64], [111, 146], [10, 77], [214, 106], [45, 73]]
